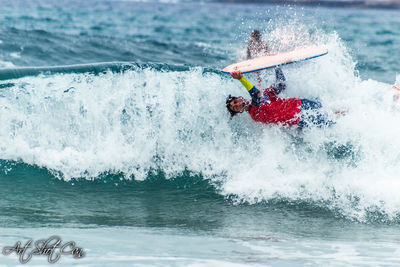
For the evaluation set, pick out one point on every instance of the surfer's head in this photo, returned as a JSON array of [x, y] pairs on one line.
[[236, 105], [255, 35]]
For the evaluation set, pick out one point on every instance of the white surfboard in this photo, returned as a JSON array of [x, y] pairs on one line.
[[274, 60]]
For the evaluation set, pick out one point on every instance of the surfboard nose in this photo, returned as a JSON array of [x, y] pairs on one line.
[[271, 61]]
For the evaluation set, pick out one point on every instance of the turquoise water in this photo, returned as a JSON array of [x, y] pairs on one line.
[[115, 135]]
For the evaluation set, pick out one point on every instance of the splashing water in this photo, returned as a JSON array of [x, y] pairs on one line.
[[146, 119]]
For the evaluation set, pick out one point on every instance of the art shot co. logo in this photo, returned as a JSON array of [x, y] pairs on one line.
[[52, 247]]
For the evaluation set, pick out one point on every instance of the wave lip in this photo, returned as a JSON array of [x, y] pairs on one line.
[[132, 118], [93, 68]]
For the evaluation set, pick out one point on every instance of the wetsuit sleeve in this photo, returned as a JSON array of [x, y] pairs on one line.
[[253, 91], [278, 88], [279, 85]]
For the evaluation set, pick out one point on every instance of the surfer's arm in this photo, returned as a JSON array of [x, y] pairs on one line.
[[270, 94], [279, 85], [253, 91]]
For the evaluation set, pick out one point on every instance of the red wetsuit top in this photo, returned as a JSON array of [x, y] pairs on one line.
[[272, 109]]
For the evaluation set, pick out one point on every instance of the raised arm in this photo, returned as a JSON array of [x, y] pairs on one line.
[[253, 91]]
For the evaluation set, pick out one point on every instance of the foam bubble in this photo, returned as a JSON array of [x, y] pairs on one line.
[[6, 64]]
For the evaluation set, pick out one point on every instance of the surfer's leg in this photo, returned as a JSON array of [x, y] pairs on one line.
[[307, 104], [310, 114], [280, 77]]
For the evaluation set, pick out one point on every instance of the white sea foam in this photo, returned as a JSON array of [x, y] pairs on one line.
[[6, 64], [15, 55], [81, 125]]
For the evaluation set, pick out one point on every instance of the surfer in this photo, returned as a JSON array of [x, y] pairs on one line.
[[256, 47], [269, 108]]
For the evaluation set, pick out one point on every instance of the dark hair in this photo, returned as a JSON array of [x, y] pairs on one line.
[[256, 34], [229, 99]]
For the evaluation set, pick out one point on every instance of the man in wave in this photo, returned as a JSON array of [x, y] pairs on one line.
[[256, 47], [269, 108]]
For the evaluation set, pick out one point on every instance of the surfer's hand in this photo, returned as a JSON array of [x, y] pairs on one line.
[[236, 74]]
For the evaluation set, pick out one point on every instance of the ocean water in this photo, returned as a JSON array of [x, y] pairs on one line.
[[115, 135]]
